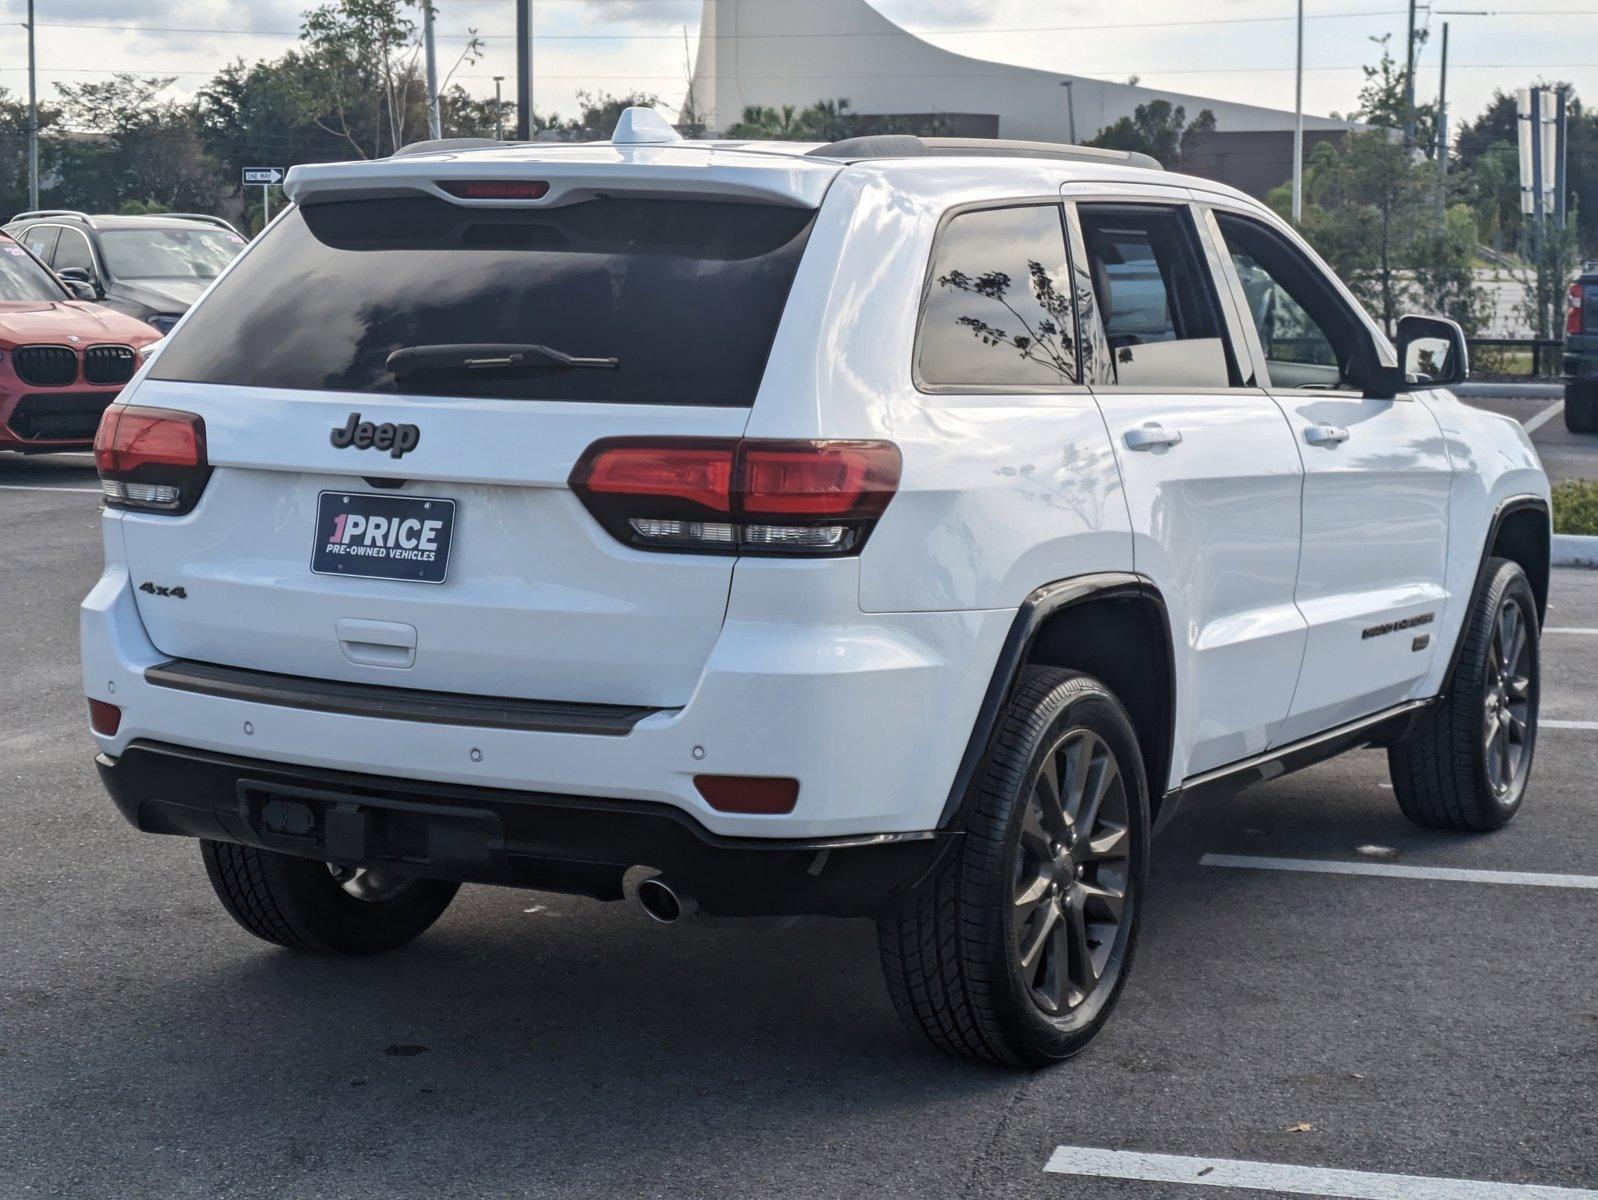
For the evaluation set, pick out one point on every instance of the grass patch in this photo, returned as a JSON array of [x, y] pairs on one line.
[[1576, 506]]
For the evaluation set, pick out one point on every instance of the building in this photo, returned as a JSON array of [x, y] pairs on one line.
[[773, 53]]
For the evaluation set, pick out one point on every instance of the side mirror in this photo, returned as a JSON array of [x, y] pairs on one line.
[[1432, 351], [79, 278]]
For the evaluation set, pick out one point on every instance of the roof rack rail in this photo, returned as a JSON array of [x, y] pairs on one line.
[[206, 217], [900, 145], [39, 214], [445, 145]]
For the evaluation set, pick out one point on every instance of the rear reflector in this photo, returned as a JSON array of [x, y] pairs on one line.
[[496, 189], [105, 719], [730, 496], [748, 793], [151, 458]]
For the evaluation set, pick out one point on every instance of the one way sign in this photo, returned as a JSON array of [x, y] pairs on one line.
[[262, 176]]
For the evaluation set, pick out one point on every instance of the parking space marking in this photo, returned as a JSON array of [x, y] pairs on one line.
[[1542, 418], [1571, 629], [44, 487], [1290, 1179], [1545, 723], [1329, 866]]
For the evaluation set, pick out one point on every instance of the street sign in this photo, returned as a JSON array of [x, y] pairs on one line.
[[263, 176]]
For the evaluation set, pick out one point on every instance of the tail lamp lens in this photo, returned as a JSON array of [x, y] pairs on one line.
[[151, 458], [105, 719], [748, 793], [1574, 316], [738, 496]]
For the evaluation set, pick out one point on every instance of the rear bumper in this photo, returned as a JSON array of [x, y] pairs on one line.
[[869, 712], [521, 839]]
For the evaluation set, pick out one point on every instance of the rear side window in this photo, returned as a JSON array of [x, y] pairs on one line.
[[1155, 296], [998, 309], [679, 300]]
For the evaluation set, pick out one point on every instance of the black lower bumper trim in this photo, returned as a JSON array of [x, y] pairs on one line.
[[520, 839]]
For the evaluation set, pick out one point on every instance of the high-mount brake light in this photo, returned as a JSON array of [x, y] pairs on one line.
[[152, 459], [1573, 318], [732, 496], [496, 189]]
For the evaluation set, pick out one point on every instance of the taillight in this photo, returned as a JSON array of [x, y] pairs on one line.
[[730, 496], [151, 458], [496, 189], [1573, 317]]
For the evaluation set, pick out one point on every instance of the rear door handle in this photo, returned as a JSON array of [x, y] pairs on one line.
[[1326, 435], [1152, 437]]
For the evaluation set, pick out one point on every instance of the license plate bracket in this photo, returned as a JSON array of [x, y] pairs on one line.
[[368, 536]]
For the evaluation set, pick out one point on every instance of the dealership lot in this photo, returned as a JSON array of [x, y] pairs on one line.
[[1410, 1022]]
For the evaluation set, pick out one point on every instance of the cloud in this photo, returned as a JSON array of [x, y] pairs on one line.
[[645, 12]]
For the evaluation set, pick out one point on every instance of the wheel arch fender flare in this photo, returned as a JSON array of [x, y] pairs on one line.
[[1524, 525], [1039, 612]]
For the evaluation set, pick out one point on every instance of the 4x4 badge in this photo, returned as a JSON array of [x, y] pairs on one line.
[[398, 440]]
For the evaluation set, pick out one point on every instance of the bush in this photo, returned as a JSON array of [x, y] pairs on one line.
[[1576, 506]]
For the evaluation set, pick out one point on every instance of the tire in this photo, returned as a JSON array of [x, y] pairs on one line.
[[953, 951], [1581, 407], [1460, 767], [307, 905]]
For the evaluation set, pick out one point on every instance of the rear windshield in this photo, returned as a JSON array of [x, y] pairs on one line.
[[685, 296]]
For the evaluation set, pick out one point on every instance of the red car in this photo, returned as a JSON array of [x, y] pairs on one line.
[[62, 359]]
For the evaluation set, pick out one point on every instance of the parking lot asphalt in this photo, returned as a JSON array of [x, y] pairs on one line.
[[537, 1045]]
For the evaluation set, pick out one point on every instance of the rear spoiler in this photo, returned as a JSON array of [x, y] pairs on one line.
[[573, 175]]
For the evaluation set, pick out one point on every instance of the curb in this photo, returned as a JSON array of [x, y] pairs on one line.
[[1573, 550], [1509, 391]]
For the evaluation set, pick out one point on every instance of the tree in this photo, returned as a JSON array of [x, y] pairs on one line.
[[1160, 129], [826, 121]]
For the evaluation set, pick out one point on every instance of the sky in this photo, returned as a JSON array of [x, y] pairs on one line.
[[1239, 50]]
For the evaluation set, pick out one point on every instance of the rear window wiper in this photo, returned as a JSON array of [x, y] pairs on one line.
[[467, 357]]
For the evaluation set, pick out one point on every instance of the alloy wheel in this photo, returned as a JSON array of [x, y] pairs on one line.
[[1506, 706], [1071, 874]]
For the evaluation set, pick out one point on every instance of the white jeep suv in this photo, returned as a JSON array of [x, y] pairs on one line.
[[895, 528]]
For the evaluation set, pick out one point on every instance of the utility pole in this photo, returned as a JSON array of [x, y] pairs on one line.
[[1298, 124], [1409, 80], [499, 109], [435, 128], [33, 116], [524, 70], [1070, 107], [1442, 136]]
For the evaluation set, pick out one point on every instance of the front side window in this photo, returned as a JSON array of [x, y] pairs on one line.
[[1155, 297], [613, 300], [23, 279], [168, 253], [998, 310], [1309, 337], [74, 251]]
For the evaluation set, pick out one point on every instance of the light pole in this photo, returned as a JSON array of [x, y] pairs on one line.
[[33, 117], [499, 109], [1298, 124], [524, 70], [435, 128], [1070, 107]]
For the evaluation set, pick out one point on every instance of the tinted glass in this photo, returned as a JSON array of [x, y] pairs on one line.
[[41, 240], [168, 253], [73, 251], [685, 295], [1309, 336], [23, 279], [1155, 297], [998, 313]]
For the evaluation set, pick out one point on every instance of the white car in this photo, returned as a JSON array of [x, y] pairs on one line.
[[894, 528]]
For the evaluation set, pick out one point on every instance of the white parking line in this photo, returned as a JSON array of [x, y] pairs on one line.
[[1545, 723], [44, 487], [1327, 866], [1285, 1177], [1542, 418], [1571, 629]]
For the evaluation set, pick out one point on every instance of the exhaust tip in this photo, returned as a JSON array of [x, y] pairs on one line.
[[661, 901]]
